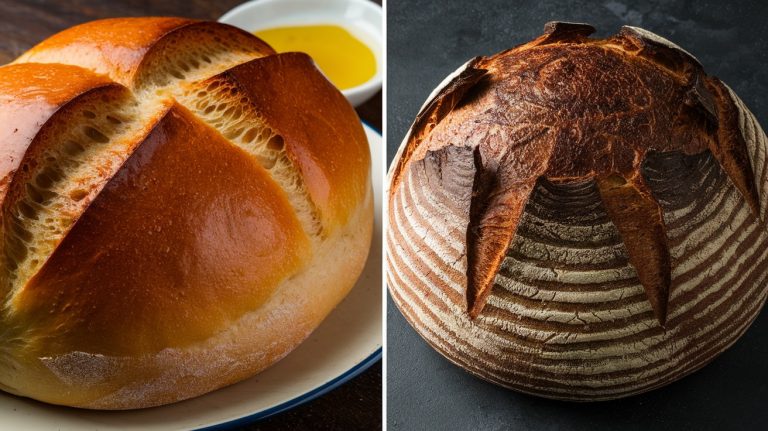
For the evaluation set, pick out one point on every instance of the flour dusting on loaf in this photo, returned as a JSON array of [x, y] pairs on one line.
[[580, 218]]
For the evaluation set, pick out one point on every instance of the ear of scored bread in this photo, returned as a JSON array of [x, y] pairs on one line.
[[169, 184]]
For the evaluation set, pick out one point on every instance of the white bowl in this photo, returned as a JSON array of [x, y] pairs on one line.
[[362, 18]]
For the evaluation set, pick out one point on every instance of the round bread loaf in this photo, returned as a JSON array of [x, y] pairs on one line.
[[580, 218], [181, 207]]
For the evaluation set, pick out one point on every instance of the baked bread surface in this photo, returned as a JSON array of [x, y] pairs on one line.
[[580, 218], [176, 202]]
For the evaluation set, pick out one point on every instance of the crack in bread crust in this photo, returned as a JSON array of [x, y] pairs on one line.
[[219, 103], [53, 194]]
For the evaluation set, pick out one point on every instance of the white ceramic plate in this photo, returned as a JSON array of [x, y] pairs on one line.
[[362, 18], [345, 344]]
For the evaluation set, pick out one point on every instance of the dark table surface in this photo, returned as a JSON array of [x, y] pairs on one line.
[[426, 41], [23, 23]]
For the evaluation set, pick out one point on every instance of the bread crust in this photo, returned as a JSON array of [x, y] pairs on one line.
[[245, 346], [133, 43], [335, 180], [30, 94]]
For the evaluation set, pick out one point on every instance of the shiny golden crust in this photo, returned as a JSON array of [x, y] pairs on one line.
[[335, 180], [142, 238], [126, 49], [247, 346], [571, 253], [187, 252], [29, 95]]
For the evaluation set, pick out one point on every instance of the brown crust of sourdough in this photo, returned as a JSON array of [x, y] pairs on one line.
[[162, 238], [553, 207]]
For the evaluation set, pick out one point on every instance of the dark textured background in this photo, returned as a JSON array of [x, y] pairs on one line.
[[429, 39], [23, 23]]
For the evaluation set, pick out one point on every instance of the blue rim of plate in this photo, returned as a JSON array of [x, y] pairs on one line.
[[378, 132], [307, 396]]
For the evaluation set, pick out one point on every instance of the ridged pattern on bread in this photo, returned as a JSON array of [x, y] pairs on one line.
[[154, 208], [568, 313]]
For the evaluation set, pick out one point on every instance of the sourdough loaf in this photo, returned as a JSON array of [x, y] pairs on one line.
[[580, 218], [176, 198]]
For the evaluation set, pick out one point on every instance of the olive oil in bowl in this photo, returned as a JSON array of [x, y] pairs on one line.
[[346, 61]]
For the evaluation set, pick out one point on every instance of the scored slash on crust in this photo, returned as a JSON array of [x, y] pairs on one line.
[[697, 115]]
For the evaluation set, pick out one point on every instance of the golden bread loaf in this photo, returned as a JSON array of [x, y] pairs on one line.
[[181, 207]]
